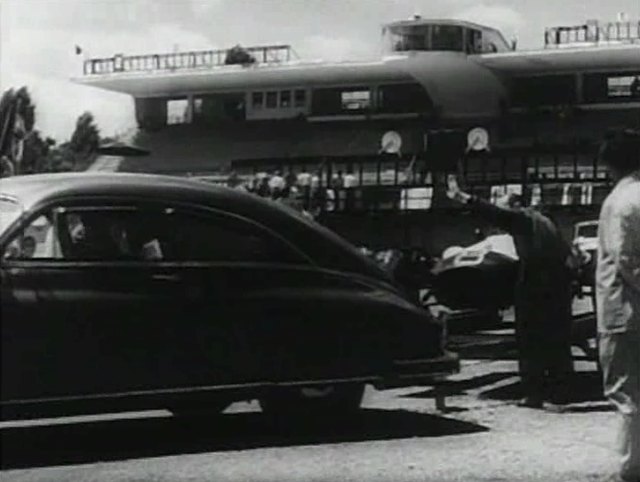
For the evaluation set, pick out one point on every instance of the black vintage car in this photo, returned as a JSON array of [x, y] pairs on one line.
[[124, 291]]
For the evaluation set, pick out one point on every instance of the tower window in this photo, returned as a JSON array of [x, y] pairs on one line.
[[272, 100], [285, 98], [356, 100], [177, 111], [300, 98], [257, 100]]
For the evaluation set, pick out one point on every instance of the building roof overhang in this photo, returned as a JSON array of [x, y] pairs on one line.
[[234, 78], [609, 58]]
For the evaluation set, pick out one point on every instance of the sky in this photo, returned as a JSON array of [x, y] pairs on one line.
[[38, 37]]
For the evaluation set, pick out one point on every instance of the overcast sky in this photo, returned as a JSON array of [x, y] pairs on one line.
[[37, 37]]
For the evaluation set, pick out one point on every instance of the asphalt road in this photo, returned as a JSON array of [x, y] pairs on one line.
[[398, 436]]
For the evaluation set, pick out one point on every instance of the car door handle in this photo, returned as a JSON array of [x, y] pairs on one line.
[[165, 277]]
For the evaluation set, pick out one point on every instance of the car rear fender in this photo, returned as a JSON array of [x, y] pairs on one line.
[[369, 315]]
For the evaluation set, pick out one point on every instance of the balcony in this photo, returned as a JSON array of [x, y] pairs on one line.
[[593, 32], [181, 61]]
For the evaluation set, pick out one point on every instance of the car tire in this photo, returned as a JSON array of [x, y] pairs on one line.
[[300, 402]]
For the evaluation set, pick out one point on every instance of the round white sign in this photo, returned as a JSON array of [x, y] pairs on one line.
[[391, 142], [477, 139]]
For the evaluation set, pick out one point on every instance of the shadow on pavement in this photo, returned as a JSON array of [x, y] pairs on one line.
[[581, 387], [152, 437], [484, 347], [459, 387]]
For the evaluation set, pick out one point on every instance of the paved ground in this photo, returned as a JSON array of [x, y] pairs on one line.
[[399, 436]]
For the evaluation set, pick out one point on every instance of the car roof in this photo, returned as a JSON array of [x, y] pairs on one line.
[[323, 245], [33, 189]]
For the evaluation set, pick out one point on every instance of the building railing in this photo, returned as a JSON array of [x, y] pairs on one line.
[[350, 185], [593, 32], [201, 59]]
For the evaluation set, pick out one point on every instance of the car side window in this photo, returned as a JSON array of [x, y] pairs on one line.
[[101, 233], [150, 234], [38, 240], [221, 238], [113, 234]]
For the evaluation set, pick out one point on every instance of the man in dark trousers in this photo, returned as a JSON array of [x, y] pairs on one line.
[[542, 296]]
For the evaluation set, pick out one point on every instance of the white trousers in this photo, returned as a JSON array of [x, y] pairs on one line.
[[620, 359]]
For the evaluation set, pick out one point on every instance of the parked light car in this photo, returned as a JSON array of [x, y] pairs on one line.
[[585, 239], [480, 276], [159, 292]]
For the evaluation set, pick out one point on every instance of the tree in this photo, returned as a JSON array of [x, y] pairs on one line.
[[36, 150], [7, 114], [25, 108], [17, 118], [238, 55], [84, 141]]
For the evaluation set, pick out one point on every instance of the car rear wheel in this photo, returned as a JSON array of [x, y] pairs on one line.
[[299, 402]]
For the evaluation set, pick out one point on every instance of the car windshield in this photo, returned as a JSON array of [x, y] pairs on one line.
[[588, 231], [10, 210]]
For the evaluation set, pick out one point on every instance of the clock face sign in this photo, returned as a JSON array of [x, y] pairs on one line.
[[391, 142], [477, 139]]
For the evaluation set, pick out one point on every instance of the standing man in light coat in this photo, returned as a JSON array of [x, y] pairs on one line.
[[618, 293]]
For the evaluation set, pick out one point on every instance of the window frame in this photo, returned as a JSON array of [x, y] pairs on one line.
[[271, 95], [299, 98], [441, 46], [302, 259], [363, 104], [186, 115], [281, 99], [544, 90], [596, 87], [100, 203], [258, 105]]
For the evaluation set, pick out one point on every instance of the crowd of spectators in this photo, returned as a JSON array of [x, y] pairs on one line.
[[302, 191]]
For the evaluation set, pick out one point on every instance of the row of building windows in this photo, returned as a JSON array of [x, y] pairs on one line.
[[284, 99], [392, 99], [546, 90], [576, 89]]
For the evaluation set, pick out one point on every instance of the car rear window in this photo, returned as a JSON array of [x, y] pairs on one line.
[[588, 231], [10, 210]]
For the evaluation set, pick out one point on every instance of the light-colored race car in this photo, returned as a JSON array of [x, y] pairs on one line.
[[585, 240]]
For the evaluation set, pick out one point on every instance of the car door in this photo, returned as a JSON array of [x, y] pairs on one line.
[[23, 344], [255, 303], [103, 302]]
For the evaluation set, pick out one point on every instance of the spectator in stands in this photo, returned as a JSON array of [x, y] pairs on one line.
[[349, 183], [350, 179], [304, 183], [291, 179], [234, 180], [315, 180], [542, 296], [263, 189], [337, 180], [276, 184], [635, 87], [317, 195], [618, 293], [335, 195]]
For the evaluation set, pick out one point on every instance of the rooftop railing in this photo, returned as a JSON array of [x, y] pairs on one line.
[[593, 32], [200, 59]]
